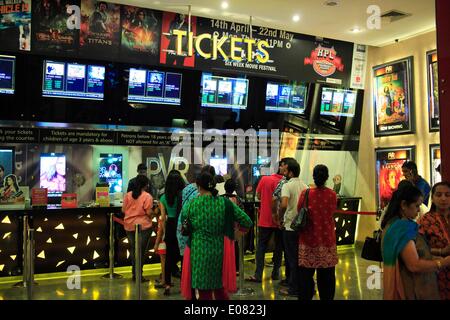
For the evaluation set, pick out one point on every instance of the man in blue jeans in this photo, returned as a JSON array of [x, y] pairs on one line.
[[268, 225]]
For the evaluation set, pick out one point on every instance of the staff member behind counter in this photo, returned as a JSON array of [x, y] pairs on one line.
[[142, 171]]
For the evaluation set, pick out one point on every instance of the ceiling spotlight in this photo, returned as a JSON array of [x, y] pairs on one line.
[[224, 5], [331, 3], [296, 18], [355, 30]]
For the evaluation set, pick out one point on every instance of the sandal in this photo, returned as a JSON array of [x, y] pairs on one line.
[[253, 279]]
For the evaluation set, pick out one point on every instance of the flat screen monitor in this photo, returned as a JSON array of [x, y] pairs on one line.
[[6, 163], [73, 80], [155, 87], [223, 92], [260, 162], [338, 102], [53, 173], [110, 171], [283, 97], [7, 74], [220, 165]]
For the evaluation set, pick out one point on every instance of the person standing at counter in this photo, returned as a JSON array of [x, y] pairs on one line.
[[137, 207], [317, 249], [170, 206]]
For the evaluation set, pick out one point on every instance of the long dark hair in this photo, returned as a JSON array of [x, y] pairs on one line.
[[142, 182], [320, 175], [408, 193], [174, 186], [433, 191], [207, 182]]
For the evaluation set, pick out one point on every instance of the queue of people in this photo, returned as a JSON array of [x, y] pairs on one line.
[[416, 251]]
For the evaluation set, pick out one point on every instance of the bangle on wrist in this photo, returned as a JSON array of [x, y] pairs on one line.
[[439, 264]]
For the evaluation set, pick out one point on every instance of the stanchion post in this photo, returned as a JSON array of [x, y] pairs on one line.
[[242, 291], [256, 227], [23, 283], [30, 273], [111, 275], [138, 260]]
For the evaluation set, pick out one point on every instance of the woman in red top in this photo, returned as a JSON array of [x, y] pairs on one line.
[[435, 226], [137, 207], [317, 242]]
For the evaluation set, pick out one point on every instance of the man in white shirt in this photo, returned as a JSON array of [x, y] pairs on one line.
[[290, 194]]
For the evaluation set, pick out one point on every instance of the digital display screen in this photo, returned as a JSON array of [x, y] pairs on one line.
[[222, 92], [220, 165], [338, 102], [7, 73], [73, 80], [289, 98], [261, 162], [110, 171], [6, 162], [145, 86], [53, 173]]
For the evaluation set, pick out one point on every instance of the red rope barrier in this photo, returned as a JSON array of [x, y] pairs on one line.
[[364, 213], [118, 220]]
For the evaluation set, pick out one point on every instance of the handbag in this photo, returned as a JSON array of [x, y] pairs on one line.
[[372, 247], [186, 228], [300, 220]]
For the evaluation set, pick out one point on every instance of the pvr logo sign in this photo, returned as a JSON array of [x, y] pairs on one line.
[[74, 279], [374, 280], [73, 22]]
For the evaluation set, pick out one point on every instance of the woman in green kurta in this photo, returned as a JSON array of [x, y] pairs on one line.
[[209, 223]]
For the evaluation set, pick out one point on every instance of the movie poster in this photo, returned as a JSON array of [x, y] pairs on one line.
[[15, 25], [56, 25], [433, 90], [389, 171], [435, 163], [289, 143], [141, 29], [100, 28], [176, 21], [393, 98]]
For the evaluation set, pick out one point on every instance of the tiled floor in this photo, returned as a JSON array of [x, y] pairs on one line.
[[351, 284]]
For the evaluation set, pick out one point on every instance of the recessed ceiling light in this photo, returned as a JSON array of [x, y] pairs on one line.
[[224, 5], [355, 30], [331, 3], [296, 18]]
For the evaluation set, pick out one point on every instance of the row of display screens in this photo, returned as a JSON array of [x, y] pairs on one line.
[[81, 81]]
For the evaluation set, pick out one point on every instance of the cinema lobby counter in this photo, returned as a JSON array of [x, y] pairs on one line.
[[80, 236]]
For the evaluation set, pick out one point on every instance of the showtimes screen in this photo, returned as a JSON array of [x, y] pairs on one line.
[[223, 92], [73, 80], [110, 171], [53, 173], [283, 97], [155, 87], [7, 74], [338, 102]]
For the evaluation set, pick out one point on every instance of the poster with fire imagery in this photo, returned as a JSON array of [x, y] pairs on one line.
[[15, 25], [433, 90], [393, 98], [435, 163], [100, 28], [56, 25], [141, 29], [389, 171]]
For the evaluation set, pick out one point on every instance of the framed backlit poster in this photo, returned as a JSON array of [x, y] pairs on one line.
[[433, 90], [435, 163], [393, 98], [388, 170]]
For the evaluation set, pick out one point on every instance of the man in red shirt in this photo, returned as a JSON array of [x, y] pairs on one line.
[[268, 225]]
